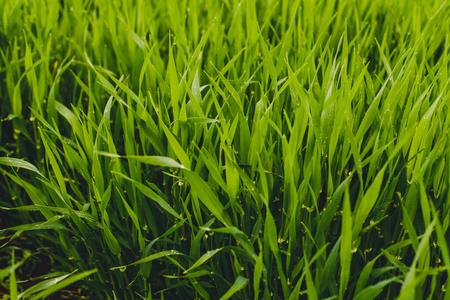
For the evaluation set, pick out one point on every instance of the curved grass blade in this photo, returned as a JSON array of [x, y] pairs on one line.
[[62, 284], [149, 258], [239, 284], [205, 257], [19, 163], [150, 194]]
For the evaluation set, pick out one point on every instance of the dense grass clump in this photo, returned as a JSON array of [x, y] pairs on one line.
[[248, 149]]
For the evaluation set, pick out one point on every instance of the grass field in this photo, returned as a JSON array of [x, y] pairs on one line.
[[197, 149]]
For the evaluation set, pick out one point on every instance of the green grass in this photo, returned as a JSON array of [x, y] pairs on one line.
[[223, 149]]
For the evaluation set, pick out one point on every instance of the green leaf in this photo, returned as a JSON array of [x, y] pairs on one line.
[[150, 194], [149, 258], [19, 163], [365, 274], [346, 244], [368, 202], [205, 257], [62, 284], [177, 149], [207, 196], [43, 285], [111, 241], [373, 291], [157, 161], [193, 274], [239, 284]]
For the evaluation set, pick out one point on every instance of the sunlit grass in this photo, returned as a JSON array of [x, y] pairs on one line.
[[225, 149]]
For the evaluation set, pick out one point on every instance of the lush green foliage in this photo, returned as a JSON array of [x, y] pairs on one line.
[[235, 149]]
